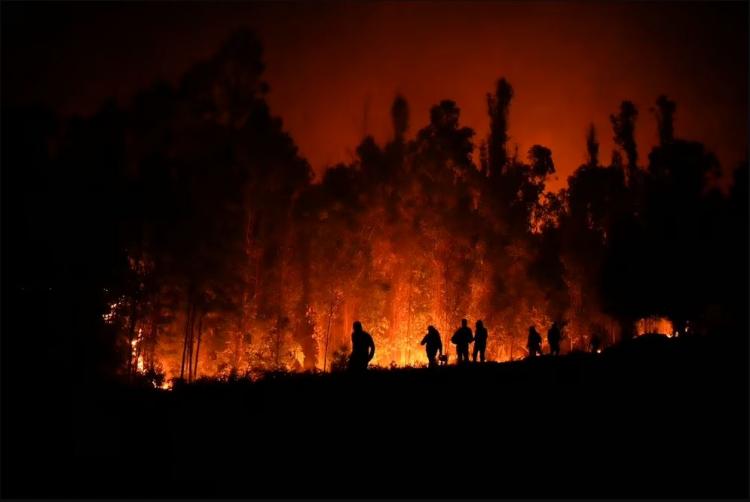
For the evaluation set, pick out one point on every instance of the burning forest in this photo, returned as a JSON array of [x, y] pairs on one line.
[[188, 270], [225, 256]]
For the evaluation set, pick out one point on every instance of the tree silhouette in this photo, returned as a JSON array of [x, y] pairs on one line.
[[665, 110], [592, 146], [498, 106], [623, 125], [196, 242]]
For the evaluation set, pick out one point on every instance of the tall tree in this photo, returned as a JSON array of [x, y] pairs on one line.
[[592, 146], [665, 109], [498, 106], [623, 125]]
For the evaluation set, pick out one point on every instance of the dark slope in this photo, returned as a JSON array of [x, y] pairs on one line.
[[653, 418]]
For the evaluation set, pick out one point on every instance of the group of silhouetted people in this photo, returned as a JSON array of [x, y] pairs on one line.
[[534, 343], [363, 346], [461, 339]]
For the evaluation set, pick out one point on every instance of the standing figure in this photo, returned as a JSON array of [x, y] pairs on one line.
[[363, 348], [461, 339], [433, 345], [553, 338], [535, 342], [480, 341]]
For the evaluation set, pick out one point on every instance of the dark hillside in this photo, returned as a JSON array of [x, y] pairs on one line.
[[655, 417]]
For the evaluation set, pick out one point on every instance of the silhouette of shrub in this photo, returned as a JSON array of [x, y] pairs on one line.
[[340, 360]]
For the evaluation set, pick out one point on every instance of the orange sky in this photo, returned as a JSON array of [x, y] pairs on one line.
[[334, 68]]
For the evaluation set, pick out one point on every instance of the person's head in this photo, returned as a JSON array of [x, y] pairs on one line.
[[480, 324], [357, 326], [464, 322], [430, 328], [531, 328]]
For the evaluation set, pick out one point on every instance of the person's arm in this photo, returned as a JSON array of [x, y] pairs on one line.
[[424, 340]]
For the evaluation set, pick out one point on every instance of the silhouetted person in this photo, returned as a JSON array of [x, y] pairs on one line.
[[433, 345], [553, 338], [535, 342], [363, 348], [461, 339], [480, 341]]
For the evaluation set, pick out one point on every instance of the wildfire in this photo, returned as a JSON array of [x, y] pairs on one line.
[[661, 325]]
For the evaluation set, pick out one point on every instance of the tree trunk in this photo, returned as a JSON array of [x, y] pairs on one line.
[[150, 356], [191, 344], [198, 348], [131, 334], [187, 339], [328, 333], [408, 318]]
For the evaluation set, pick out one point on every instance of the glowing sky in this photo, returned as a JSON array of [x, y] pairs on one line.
[[334, 68]]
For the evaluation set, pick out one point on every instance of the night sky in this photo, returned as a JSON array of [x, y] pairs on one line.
[[334, 68]]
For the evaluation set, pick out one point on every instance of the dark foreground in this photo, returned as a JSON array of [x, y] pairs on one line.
[[655, 418]]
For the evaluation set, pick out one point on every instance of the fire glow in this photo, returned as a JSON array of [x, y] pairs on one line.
[[246, 265]]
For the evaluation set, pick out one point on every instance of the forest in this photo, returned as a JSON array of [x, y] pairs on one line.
[[182, 235]]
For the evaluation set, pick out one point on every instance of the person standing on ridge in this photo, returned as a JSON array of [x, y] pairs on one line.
[[480, 341], [363, 348], [553, 338], [534, 343], [461, 339], [433, 345]]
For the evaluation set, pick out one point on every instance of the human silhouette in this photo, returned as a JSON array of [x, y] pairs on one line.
[[461, 339], [363, 348], [535, 342], [553, 338], [433, 345], [480, 341]]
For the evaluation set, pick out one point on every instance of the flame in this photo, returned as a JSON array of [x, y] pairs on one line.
[[396, 315], [661, 325]]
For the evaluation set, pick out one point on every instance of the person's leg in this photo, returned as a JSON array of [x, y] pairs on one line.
[[481, 354]]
